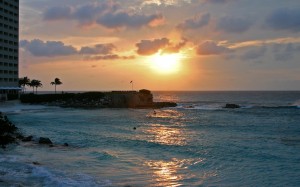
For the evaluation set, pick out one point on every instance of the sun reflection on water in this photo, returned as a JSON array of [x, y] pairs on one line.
[[167, 97], [171, 173], [166, 135], [166, 114]]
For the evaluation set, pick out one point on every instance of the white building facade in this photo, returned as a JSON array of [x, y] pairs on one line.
[[9, 47]]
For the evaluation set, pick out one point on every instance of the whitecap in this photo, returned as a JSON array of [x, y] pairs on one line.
[[200, 107]]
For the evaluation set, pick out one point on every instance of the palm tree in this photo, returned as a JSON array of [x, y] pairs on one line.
[[31, 84], [56, 82], [25, 81], [36, 84]]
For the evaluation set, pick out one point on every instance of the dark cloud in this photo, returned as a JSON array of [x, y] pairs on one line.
[[57, 13], [284, 19], [194, 23], [255, 53], [49, 49], [211, 48], [98, 49], [40, 48], [149, 47], [105, 13], [234, 25], [88, 14], [124, 19]]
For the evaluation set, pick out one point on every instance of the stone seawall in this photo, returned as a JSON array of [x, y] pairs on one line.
[[114, 99]]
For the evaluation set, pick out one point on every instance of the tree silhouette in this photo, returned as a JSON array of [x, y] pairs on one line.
[[35, 84], [25, 81], [56, 82]]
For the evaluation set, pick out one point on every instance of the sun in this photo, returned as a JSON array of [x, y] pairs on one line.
[[166, 63]]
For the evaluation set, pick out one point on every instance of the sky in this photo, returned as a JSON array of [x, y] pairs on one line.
[[94, 45]]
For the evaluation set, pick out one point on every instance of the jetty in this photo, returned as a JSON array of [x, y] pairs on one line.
[[114, 99]]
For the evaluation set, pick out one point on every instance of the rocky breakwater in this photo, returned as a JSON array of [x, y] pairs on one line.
[[9, 133], [115, 99]]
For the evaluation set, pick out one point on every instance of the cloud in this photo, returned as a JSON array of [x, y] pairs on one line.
[[284, 19], [40, 48], [49, 49], [255, 53], [234, 25], [283, 52], [98, 49], [149, 47], [57, 13], [124, 19], [164, 2], [250, 43], [195, 23], [105, 13], [216, 1], [211, 48], [88, 14], [174, 48], [110, 57]]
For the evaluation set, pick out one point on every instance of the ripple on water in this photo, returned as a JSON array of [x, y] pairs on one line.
[[174, 171]]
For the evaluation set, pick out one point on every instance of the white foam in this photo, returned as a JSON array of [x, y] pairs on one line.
[[296, 103], [17, 107], [9, 158], [56, 178], [200, 107]]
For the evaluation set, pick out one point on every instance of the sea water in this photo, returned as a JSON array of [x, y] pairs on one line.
[[198, 143]]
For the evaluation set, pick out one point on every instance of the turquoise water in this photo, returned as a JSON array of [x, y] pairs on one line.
[[198, 143]]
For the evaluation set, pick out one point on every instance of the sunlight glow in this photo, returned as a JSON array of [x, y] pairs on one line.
[[166, 63]]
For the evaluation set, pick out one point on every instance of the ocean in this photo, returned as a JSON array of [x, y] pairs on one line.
[[198, 143]]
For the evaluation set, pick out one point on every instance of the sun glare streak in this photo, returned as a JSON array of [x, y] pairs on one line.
[[166, 63]]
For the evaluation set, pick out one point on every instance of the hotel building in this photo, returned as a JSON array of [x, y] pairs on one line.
[[9, 48]]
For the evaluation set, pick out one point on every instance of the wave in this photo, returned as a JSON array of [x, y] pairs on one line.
[[281, 107], [297, 103], [17, 171], [188, 106], [14, 107], [56, 178], [218, 106], [103, 155]]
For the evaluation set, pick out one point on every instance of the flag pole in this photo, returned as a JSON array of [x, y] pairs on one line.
[[131, 82]]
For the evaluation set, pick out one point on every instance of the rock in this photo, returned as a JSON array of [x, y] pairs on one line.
[[45, 141], [27, 139], [36, 163], [66, 144], [164, 104], [19, 136], [232, 106], [8, 131]]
